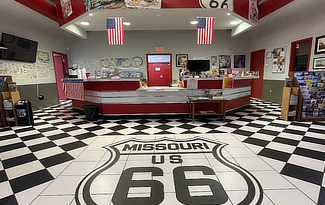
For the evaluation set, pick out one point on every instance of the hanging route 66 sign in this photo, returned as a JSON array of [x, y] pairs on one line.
[[166, 171], [223, 4]]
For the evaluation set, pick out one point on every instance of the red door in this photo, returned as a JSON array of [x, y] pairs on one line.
[[60, 62], [257, 64], [159, 69]]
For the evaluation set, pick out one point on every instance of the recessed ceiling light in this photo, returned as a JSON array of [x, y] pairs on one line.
[[126, 23], [229, 14], [194, 22], [234, 22], [85, 23], [158, 15], [91, 14], [3, 48]]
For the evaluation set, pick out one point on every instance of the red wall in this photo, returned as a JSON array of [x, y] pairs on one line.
[[241, 7], [42, 7], [270, 6]]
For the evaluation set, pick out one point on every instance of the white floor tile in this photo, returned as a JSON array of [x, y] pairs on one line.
[[5, 189], [53, 200], [289, 196], [27, 196], [91, 156], [307, 162], [253, 164], [63, 185], [24, 169], [272, 180]]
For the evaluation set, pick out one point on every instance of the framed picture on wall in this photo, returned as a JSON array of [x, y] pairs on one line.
[[239, 61], [319, 63], [180, 58], [320, 45], [224, 61]]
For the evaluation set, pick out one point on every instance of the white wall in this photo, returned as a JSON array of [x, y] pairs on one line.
[[19, 20], [298, 20], [139, 43]]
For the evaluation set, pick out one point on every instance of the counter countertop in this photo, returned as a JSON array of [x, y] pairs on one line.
[[221, 78]]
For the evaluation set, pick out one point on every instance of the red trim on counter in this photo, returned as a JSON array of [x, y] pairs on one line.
[[237, 103], [42, 7], [80, 103], [157, 108], [112, 85], [242, 83]]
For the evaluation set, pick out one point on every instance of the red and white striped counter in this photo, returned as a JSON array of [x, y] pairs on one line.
[[116, 97]]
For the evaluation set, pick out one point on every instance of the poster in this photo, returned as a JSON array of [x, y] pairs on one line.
[[278, 60], [239, 61], [227, 83], [43, 71], [66, 8], [43, 57], [104, 4], [214, 62], [253, 11], [192, 84], [224, 61], [143, 4]]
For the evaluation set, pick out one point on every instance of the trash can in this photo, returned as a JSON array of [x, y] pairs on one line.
[[91, 112], [24, 113]]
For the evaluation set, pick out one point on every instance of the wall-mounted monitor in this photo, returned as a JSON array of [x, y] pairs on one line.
[[197, 66], [17, 48]]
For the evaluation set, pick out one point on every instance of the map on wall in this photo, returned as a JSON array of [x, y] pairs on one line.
[[43, 57]]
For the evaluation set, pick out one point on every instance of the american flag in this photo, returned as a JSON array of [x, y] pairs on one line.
[[205, 30], [115, 31]]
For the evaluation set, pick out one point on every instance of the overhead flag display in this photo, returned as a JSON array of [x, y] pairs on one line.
[[115, 31], [205, 28]]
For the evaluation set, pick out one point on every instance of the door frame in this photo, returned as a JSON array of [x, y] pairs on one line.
[[261, 76], [293, 53], [171, 64], [65, 67]]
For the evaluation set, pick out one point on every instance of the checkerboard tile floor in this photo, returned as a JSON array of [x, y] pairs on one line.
[[35, 158]]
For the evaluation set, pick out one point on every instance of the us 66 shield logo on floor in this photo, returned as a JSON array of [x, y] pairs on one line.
[[166, 171]]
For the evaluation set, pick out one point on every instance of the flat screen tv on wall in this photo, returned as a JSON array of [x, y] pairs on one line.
[[197, 66], [19, 49]]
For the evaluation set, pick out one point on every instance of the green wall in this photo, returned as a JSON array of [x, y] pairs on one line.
[[28, 92], [272, 90]]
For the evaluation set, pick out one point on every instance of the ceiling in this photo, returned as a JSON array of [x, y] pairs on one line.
[[158, 19]]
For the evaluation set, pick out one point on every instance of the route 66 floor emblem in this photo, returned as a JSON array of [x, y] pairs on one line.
[[146, 172]]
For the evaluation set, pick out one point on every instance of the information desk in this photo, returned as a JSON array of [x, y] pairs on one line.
[[125, 97]]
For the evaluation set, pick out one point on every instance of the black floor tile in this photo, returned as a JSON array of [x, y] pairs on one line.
[[233, 125], [164, 133], [58, 136], [316, 131], [300, 124], [143, 121], [278, 125], [164, 127], [56, 159], [30, 180], [243, 132], [139, 133], [321, 199], [85, 136], [296, 132], [215, 131], [265, 119], [24, 129], [255, 125], [73, 145], [80, 122], [141, 127], [32, 137], [305, 174], [187, 126], [47, 129], [117, 128], [286, 141], [122, 122], [314, 140], [42, 146], [59, 123], [3, 176], [12, 147], [15, 161], [210, 126], [163, 121], [41, 123], [69, 129], [269, 132], [310, 153], [275, 154], [256, 141], [190, 132], [9, 200], [94, 128], [7, 137]]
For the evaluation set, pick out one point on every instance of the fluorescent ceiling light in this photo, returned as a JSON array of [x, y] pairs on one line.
[[91, 14], [194, 22], [3, 48], [234, 22], [85, 23], [229, 14], [126, 23]]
